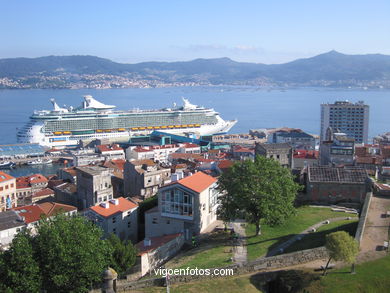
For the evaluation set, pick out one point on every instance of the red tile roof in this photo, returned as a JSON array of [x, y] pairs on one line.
[[156, 242], [43, 192], [27, 181], [225, 164], [54, 208], [31, 213], [123, 205], [5, 177], [197, 182], [108, 148], [118, 164], [305, 154], [35, 212]]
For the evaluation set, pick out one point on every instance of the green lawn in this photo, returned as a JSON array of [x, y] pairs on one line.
[[317, 239], [370, 277], [218, 285], [270, 237], [216, 251]]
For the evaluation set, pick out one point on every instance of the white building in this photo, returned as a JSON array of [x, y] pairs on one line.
[[349, 118], [187, 205], [160, 152], [10, 224], [8, 197], [118, 216]]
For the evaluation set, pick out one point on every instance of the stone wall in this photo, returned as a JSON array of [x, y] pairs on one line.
[[260, 265], [363, 218]]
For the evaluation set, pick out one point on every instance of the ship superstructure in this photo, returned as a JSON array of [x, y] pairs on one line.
[[64, 127]]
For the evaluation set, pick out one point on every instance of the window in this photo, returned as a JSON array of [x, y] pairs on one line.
[[154, 221], [128, 224], [114, 230], [12, 185], [6, 187], [168, 222], [114, 220], [129, 213]]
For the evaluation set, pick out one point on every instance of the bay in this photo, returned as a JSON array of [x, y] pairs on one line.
[[253, 107]]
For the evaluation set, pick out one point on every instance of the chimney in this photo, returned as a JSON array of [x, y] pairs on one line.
[[180, 174], [174, 177], [114, 201], [105, 205], [147, 242]]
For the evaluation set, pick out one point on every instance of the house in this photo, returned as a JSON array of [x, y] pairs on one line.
[[10, 224], [160, 153], [93, 185], [304, 158], [32, 214], [155, 251], [117, 179], [332, 185], [144, 178], [281, 152], [8, 197], [26, 186], [337, 150], [68, 174], [118, 216], [241, 153], [44, 194], [66, 193], [111, 152], [297, 138], [187, 205]]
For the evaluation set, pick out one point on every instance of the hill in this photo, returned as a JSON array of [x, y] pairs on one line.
[[328, 69]]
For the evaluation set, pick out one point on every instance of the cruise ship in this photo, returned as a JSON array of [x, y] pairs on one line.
[[67, 127]]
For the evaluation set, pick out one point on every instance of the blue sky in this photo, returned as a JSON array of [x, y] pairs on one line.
[[134, 31]]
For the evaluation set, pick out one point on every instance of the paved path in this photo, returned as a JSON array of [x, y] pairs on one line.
[[239, 250], [376, 229], [280, 248]]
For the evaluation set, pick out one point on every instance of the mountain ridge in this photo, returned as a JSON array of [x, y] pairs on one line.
[[328, 69]]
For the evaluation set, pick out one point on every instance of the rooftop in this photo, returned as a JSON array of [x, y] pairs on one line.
[[156, 242], [274, 146], [54, 208], [30, 149], [5, 177], [337, 174], [92, 170], [108, 148], [196, 182], [31, 214], [122, 206], [27, 181], [10, 219]]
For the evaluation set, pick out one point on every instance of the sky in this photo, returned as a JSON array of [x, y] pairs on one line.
[[260, 31]]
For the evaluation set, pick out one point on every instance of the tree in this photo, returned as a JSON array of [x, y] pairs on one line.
[[19, 270], [341, 246], [259, 189], [123, 254], [71, 254]]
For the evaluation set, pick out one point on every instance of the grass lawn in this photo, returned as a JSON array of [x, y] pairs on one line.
[[370, 277], [216, 251], [271, 237], [317, 239], [218, 285]]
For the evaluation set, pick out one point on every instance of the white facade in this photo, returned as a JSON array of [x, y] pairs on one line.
[[117, 216], [350, 118]]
